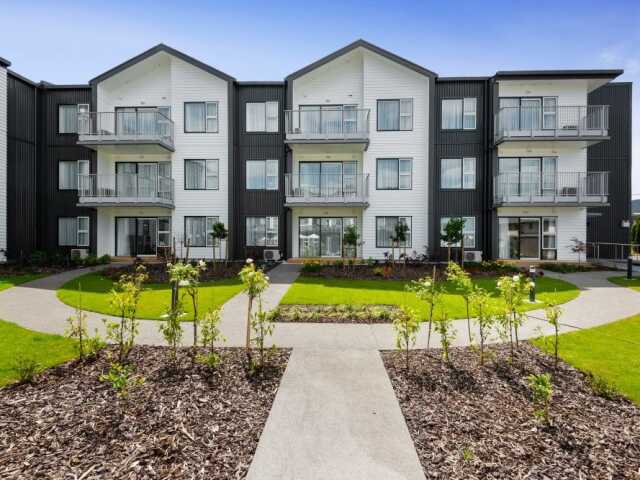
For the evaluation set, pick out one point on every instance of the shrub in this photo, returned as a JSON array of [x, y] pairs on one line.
[[567, 267], [121, 379], [542, 391], [406, 324], [378, 271], [104, 259], [38, 258], [90, 261], [210, 334], [26, 369], [602, 387], [311, 266]]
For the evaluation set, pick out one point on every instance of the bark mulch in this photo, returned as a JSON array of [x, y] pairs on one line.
[[470, 422], [184, 424], [336, 313]]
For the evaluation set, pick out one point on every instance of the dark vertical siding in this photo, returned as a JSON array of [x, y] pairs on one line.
[[22, 220], [457, 144], [614, 155], [53, 147], [257, 146]]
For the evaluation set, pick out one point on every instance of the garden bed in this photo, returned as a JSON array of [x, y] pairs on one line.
[[346, 313], [190, 424], [472, 422]]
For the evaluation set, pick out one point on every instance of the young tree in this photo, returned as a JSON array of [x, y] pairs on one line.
[[485, 319], [578, 247], [514, 291], [542, 391], [400, 237], [210, 335], [350, 239], [461, 280], [255, 282], [262, 324], [427, 290], [78, 325], [453, 234], [552, 313], [444, 326], [218, 234], [187, 276], [406, 324], [171, 327], [125, 297]]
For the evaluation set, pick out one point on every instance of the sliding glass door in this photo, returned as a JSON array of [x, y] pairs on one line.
[[527, 238], [322, 236], [328, 179], [139, 235]]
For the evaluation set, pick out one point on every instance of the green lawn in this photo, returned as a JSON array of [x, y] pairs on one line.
[[609, 351], [623, 282], [47, 350], [153, 301], [314, 290], [13, 280]]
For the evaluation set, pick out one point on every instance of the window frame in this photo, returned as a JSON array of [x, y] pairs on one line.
[[462, 114], [77, 162], [461, 161], [77, 243], [398, 160], [443, 244], [399, 101], [542, 112], [265, 176], [62, 105], [205, 118], [398, 217], [208, 241], [266, 116], [266, 230], [206, 163]]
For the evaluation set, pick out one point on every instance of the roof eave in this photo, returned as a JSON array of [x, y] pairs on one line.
[[4, 62], [556, 74]]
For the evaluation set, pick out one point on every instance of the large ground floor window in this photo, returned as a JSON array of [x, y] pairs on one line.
[[322, 236], [527, 238], [142, 235]]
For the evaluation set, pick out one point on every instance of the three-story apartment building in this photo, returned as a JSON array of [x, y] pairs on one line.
[[150, 154]]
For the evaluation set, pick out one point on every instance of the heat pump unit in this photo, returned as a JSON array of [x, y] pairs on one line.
[[271, 255], [79, 253], [472, 256]]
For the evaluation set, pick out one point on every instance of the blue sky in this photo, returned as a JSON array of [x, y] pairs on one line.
[[71, 42]]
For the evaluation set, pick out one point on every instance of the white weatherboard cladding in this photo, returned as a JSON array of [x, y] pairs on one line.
[[3, 163], [572, 223], [164, 80], [569, 92]]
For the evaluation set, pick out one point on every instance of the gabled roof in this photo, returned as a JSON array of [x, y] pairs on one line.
[[369, 46], [557, 74], [161, 47], [4, 62]]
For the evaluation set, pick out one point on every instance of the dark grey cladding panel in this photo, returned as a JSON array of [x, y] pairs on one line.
[[460, 89], [257, 146], [614, 156]]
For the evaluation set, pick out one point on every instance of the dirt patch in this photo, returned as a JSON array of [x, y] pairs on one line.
[[472, 422], [336, 313], [185, 425]]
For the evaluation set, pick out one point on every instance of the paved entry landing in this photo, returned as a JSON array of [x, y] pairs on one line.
[[335, 417]]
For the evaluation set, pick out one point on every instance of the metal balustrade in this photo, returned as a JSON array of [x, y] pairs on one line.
[[326, 188], [327, 123], [126, 188]]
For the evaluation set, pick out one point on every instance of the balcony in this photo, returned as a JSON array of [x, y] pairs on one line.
[[325, 190], [553, 123], [328, 125], [126, 131], [125, 190], [572, 189]]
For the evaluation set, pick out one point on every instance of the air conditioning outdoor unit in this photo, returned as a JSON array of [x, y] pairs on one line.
[[272, 255], [472, 256], [79, 253]]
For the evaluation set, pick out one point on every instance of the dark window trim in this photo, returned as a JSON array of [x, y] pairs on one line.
[[340, 217], [58, 117], [158, 217], [265, 131], [378, 100], [76, 219], [398, 162], [184, 174], [205, 229], [540, 157], [540, 219], [475, 229], [58, 174], [397, 217], [461, 129], [462, 187], [265, 189], [530, 97], [204, 102], [246, 243]]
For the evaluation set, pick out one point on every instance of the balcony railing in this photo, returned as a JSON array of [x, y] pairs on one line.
[[342, 124], [571, 188], [552, 122], [137, 127], [326, 188], [126, 188]]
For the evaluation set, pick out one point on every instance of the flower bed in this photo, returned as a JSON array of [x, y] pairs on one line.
[[179, 425], [468, 421], [346, 313]]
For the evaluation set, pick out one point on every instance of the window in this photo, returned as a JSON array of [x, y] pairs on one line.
[[459, 113], [528, 113], [469, 231], [164, 231], [68, 118], [458, 173], [395, 115], [385, 231], [201, 117], [262, 175], [549, 112], [201, 174], [73, 231], [262, 231], [68, 172], [262, 117], [394, 173], [549, 238], [198, 231]]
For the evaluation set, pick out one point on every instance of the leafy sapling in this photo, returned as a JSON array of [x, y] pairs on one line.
[[255, 282], [187, 276], [219, 232], [262, 324], [461, 281], [429, 291], [122, 379], [406, 325], [445, 328], [210, 335], [453, 234], [485, 317], [77, 329], [514, 292], [552, 313], [542, 391], [26, 369]]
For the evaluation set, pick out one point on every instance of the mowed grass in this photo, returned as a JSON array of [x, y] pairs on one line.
[[13, 280], [317, 291], [16, 342], [634, 283], [609, 351], [154, 300]]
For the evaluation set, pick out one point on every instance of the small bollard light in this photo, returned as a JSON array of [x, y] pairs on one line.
[[532, 292]]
